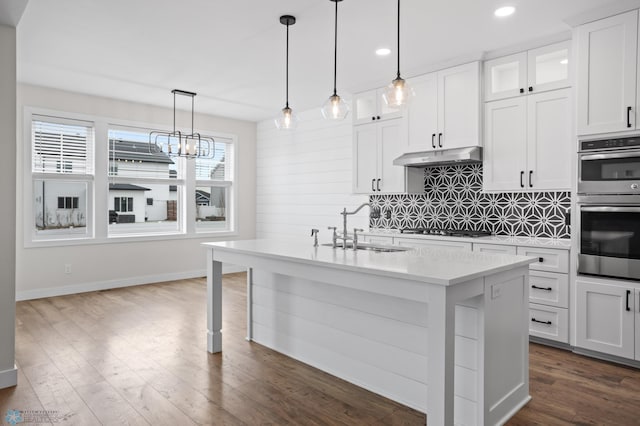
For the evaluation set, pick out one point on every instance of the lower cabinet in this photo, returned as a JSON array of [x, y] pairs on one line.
[[416, 243], [549, 289], [549, 322], [608, 318]]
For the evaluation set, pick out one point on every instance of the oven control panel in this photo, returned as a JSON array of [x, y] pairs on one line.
[[609, 143]]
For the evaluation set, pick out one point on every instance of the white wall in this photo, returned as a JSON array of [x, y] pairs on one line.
[[7, 206], [304, 179], [40, 271]]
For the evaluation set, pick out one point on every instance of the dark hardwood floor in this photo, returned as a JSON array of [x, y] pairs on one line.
[[138, 355]]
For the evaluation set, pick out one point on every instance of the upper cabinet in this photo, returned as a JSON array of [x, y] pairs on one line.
[[606, 74], [370, 107], [445, 112], [537, 70]]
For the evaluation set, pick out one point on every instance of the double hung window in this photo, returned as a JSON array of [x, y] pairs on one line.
[[62, 173]]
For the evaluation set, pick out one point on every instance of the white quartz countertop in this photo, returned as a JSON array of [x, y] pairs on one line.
[[559, 243], [435, 266]]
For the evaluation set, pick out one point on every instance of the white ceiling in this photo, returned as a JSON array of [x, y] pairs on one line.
[[233, 52]]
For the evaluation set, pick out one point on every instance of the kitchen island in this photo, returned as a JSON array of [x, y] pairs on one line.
[[444, 332]]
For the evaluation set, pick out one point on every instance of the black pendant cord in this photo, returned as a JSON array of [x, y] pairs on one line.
[[287, 72], [335, 51], [398, 39]]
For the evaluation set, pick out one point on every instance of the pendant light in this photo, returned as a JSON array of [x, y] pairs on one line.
[[287, 120], [398, 93], [335, 108]]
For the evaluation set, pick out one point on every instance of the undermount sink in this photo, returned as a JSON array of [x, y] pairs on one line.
[[371, 247]]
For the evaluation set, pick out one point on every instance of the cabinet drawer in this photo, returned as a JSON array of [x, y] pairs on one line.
[[551, 260], [494, 248], [415, 243], [548, 322], [549, 288], [377, 239]]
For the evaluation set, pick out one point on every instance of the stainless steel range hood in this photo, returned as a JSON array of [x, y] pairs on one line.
[[443, 157]]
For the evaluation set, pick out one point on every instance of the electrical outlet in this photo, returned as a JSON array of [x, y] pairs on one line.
[[67, 268], [496, 291]]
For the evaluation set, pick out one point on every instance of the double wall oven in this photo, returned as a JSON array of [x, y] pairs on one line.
[[609, 208]]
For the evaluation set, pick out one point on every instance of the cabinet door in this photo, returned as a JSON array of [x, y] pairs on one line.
[[603, 322], [549, 141], [426, 243], [391, 135], [548, 67], [459, 106], [370, 107], [494, 248], [505, 144], [365, 154], [505, 77], [606, 74], [422, 115], [365, 107], [637, 306]]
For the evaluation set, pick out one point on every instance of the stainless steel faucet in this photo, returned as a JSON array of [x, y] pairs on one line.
[[345, 237]]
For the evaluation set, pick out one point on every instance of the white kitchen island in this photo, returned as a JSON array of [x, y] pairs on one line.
[[444, 332]]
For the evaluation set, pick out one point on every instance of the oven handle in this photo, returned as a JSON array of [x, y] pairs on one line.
[[607, 209], [627, 154]]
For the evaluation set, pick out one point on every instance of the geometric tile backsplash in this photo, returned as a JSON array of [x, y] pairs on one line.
[[453, 199]]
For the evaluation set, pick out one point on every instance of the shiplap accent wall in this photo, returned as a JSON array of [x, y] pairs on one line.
[[304, 178]]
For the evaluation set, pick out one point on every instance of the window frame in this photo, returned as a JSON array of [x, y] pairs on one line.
[[98, 199]]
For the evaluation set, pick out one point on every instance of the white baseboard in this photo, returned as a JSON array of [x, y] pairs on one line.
[[8, 378], [124, 282]]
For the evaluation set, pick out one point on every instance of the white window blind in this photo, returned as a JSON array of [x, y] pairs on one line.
[[62, 146]]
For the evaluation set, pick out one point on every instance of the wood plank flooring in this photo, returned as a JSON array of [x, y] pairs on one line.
[[138, 356]]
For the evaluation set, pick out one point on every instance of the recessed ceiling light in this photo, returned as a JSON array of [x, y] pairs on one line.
[[501, 12], [564, 61], [383, 51]]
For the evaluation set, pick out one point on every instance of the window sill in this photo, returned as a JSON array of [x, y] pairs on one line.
[[124, 239]]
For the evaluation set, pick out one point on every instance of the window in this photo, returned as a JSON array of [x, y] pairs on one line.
[[144, 183], [67, 202], [140, 190], [213, 188], [62, 167], [123, 204]]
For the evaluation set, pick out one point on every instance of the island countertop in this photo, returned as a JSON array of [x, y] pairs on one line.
[[435, 266]]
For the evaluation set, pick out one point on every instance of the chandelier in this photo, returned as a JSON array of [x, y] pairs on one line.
[[182, 144]]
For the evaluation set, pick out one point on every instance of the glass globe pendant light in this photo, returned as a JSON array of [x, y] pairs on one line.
[[287, 120], [398, 94], [335, 108]]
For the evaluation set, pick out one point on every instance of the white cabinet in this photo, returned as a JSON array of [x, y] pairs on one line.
[[606, 314], [537, 70], [637, 303], [375, 147], [548, 288], [424, 243], [528, 143], [445, 112], [606, 74], [370, 107]]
